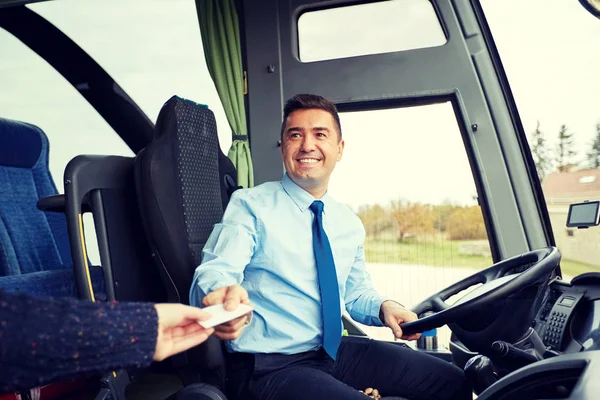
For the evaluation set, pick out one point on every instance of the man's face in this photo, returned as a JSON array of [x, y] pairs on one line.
[[310, 149]]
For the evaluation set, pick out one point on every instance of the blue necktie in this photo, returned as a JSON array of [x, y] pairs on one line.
[[328, 283]]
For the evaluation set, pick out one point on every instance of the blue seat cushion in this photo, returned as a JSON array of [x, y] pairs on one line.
[[35, 254], [55, 283], [32, 240]]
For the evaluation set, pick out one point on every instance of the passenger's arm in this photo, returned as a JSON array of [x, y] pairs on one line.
[[363, 303], [228, 250], [178, 329], [42, 340]]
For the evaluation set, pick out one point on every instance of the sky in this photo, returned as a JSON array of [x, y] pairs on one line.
[[374, 171], [151, 48], [548, 49]]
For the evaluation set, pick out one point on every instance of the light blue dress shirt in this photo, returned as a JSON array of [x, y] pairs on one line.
[[265, 244]]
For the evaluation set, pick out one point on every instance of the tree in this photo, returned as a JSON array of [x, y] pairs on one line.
[[375, 219], [466, 223], [593, 156], [441, 213], [414, 218], [543, 162], [565, 151]]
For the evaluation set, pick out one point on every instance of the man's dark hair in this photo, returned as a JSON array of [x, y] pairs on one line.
[[307, 102]]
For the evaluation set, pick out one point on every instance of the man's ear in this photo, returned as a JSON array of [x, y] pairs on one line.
[[340, 150]]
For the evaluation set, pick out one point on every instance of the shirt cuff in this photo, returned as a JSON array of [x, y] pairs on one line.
[[376, 311], [206, 282]]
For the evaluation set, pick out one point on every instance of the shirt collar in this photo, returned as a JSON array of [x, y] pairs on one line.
[[301, 197]]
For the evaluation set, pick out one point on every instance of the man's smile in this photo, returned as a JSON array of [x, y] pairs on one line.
[[308, 160]]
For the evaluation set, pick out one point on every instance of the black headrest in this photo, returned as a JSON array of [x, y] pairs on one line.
[[181, 179]]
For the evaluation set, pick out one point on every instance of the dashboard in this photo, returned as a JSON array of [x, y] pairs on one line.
[[568, 323], [558, 310], [569, 319]]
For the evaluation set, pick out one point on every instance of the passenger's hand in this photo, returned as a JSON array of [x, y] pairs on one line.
[[178, 329], [230, 297], [393, 314]]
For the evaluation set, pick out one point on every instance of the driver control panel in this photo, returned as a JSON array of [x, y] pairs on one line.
[[553, 319]]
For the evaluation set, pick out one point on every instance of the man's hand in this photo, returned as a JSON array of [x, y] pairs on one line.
[[393, 314], [178, 329], [372, 393], [230, 297]]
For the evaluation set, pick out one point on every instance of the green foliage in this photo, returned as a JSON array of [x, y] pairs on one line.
[[593, 156], [438, 253], [440, 235], [466, 223], [565, 152], [412, 218], [405, 219], [542, 159], [375, 219], [441, 213], [446, 254]]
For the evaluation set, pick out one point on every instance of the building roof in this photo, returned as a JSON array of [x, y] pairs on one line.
[[572, 186]]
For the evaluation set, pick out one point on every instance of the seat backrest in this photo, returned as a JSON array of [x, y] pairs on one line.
[[104, 186], [183, 182], [30, 240]]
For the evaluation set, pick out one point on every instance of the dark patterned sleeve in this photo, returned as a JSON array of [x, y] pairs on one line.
[[42, 340]]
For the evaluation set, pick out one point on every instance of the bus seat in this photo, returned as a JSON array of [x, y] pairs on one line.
[[34, 248], [103, 185], [183, 182]]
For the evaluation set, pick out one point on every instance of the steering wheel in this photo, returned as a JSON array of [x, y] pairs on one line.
[[488, 308]]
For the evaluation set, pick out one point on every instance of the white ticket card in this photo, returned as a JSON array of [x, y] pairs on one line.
[[219, 315]]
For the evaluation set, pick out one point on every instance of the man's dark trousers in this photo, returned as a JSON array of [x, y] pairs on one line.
[[360, 363]]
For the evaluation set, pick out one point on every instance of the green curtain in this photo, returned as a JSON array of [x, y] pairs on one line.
[[221, 40]]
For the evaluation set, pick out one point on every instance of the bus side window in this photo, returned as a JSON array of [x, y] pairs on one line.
[[411, 185]]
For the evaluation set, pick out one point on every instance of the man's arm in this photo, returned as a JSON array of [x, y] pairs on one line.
[[367, 306], [363, 302], [227, 252], [228, 249]]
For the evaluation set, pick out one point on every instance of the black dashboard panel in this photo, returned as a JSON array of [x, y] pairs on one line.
[[569, 376], [568, 323], [585, 327], [554, 318]]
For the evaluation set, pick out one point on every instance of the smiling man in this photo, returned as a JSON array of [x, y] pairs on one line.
[[297, 255]]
